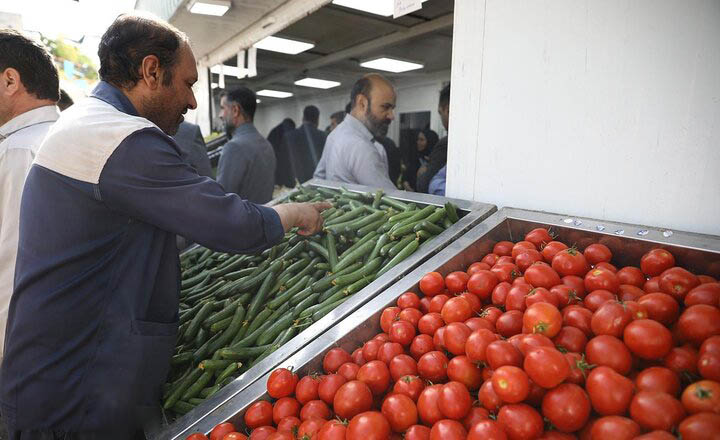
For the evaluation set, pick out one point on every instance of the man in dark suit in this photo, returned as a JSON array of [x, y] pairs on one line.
[[193, 148], [305, 145]]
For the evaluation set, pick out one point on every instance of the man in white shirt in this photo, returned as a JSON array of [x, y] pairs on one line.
[[29, 89]]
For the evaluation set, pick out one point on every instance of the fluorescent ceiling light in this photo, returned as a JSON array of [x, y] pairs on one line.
[[391, 65], [284, 45], [385, 8], [274, 93], [316, 83], [214, 85], [226, 70], [209, 7], [257, 101]]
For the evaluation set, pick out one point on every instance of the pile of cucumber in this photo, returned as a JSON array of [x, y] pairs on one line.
[[235, 310]]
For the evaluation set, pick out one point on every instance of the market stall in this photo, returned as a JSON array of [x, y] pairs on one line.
[[627, 244]]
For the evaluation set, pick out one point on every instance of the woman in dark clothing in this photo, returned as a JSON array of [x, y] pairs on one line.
[[283, 171], [418, 157]]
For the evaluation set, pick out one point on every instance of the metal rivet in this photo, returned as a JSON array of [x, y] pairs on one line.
[[619, 231], [577, 223], [600, 227], [667, 233], [643, 232], [568, 220]]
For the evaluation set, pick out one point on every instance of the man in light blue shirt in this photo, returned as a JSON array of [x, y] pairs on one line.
[[437, 183], [351, 155]]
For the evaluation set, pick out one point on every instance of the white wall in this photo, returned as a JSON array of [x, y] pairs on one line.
[[599, 108], [414, 93]]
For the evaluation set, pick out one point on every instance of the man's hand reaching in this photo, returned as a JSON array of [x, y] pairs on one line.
[[305, 216]]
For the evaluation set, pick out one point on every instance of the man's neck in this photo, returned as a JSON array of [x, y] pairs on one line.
[[24, 106]]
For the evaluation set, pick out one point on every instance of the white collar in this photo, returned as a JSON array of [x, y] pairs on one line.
[[46, 113]]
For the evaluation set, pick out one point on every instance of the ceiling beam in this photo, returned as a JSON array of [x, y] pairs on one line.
[[271, 23], [363, 48]]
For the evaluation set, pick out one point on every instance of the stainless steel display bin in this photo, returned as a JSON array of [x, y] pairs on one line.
[[213, 410], [697, 252]]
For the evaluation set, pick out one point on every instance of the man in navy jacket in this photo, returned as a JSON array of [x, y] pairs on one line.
[[94, 312]]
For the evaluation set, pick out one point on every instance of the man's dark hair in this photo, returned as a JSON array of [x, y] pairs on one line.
[[338, 116], [244, 98], [311, 114], [65, 100], [363, 86], [445, 96], [129, 40], [34, 64], [348, 107]]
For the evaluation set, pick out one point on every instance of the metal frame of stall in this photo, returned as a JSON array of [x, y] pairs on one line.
[[205, 414], [628, 242]]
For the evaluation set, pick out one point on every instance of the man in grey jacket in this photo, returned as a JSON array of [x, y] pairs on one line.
[[193, 149], [247, 162], [351, 155]]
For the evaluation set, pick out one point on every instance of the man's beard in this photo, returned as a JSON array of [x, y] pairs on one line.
[[229, 129], [156, 110], [378, 127]]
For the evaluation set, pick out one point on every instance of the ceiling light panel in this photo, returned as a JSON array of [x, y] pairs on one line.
[[316, 83], [385, 8], [209, 7], [391, 65], [274, 93], [284, 45]]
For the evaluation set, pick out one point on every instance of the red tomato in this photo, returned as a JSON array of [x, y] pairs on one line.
[[505, 272], [609, 351], [315, 409], [610, 319], [597, 253], [476, 344], [706, 279], [228, 436], [376, 375], [542, 275], [489, 259], [219, 431], [515, 299], [400, 411], [702, 396], [510, 323], [437, 303], [576, 283], [432, 366], [551, 249], [259, 414], [526, 258], [546, 366], [601, 279], [570, 262], [708, 293], [486, 430], [647, 339], [307, 389], [420, 345], [654, 262], [454, 400], [539, 237], [528, 342], [334, 358], [541, 294], [310, 427], [491, 313], [370, 425], [387, 351], [658, 379], [595, 299], [280, 436], [477, 266], [432, 284], [460, 369], [578, 368], [456, 335], [328, 387], [521, 246], [197, 436], [682, 360], [656, 435], [408, 300], [661, 307], [427, 405], [520, 421], [637, 310], [352, 398], [652, 285], [456, 309], [702, 426], [387, 317], [709, 366], [677, 282], [429, 323], [456, 282], [403, 332], [656, 410], [500, 292], [281, 383], [502, 248], [357, 356], [439, 339], [410, 386], [402, 365], [500, 353], [482, 283], [710, 345], [264, 432], [348, 370], [448, 430], [488, 397], [332, 430], [699, 322], [511, 384], [477, 323], [610, 392], [473, 300], [615, 427], [410, 315], [578, 317], [285, 407], [628, 292], [571, 339], [631, 275], [567, 407], [417, 432], [542, 318], [425, 304], [605, 265], [565, 295], [288, 424]]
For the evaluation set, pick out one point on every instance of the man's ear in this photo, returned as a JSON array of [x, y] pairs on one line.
[[150, 72], [10, 81]]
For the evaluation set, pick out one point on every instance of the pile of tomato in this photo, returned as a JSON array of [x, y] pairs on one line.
[[537, 340]]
